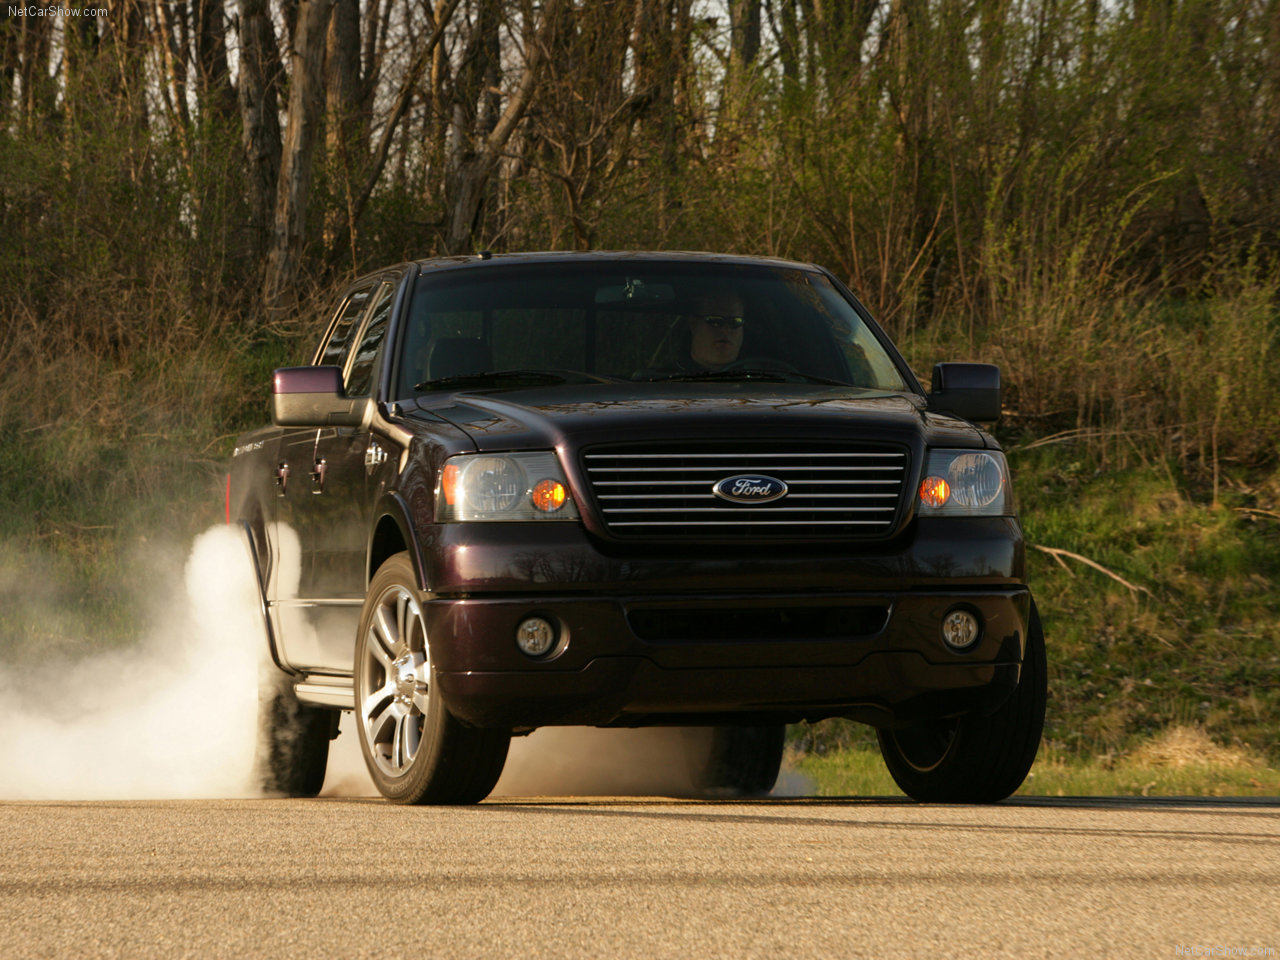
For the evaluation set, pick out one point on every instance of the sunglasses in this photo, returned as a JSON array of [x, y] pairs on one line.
[[723, 323]]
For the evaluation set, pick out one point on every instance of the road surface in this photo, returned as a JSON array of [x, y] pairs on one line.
[[633, 877]]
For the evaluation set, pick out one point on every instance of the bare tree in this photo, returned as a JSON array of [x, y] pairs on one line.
[[740, 65], [302, 128], [590, 104], [478, 133], [429, 52], [259, 112], [216, 96]]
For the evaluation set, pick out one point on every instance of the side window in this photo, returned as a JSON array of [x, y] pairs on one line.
[[360, 379], [335, 350]]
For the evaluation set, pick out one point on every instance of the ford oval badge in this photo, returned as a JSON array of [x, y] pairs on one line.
[[750, 488]]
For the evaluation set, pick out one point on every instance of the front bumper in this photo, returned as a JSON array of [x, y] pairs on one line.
[[680, 658]]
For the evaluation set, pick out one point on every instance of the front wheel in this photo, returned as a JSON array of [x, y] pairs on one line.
[[415, 749], [975, 759]]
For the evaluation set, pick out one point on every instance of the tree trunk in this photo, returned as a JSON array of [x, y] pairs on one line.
[[346, 127], [736, 102], [346, 220], [213, 88], [174, 88], [125, 41], [259, 114], [789, 45], [346, 130], [306, 104], [9, 51], [471, 169]]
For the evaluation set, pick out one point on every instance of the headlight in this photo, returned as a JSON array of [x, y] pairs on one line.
[[506, 486], [965, 483]]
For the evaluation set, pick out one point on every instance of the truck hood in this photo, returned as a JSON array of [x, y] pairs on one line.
[[572, 417]]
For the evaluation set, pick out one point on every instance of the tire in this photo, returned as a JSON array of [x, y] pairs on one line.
[[416, 751], [293, 739], [293, 748], [734, 761], [975, 759]]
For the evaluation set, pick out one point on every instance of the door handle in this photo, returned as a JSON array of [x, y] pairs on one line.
[[318, 472], [282, 479], [374, 456]]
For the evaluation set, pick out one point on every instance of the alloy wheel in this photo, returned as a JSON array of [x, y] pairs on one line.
[[395, 684]]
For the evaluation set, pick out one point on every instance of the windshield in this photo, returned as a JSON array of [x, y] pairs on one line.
[[635, 321]]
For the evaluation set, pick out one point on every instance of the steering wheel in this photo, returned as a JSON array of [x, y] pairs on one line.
[[761, 363]]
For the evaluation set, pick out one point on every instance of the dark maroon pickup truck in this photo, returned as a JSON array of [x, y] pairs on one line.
[[631, 489]]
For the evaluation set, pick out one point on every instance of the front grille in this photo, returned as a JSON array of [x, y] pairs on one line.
[[665, 491]]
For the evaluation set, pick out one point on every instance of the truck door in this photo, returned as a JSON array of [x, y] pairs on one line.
[[341, 484], [309, 615]]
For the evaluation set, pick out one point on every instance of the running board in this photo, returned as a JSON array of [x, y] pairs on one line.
[[321, 691]]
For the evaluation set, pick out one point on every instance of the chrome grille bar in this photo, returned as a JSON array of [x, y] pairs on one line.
[[834, 489]]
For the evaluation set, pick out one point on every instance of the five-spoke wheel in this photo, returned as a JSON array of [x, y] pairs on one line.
[[395, 687], [416, 751]]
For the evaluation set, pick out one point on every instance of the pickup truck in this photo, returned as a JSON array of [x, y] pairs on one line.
[[633, 489]]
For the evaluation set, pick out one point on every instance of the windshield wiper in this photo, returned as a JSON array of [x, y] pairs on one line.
[[750, 373], [506, 378]]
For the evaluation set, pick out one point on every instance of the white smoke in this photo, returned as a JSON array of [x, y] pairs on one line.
[[173, 716], [346, 774], [592, 761], [566, 762], [589, 761]]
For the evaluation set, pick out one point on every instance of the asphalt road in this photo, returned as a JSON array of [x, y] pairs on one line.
[[621, 878]]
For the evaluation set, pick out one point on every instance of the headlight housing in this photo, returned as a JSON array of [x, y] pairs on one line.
[[503, 486], [965, 483]]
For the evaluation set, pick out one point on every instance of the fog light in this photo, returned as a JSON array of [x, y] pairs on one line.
[[960, 629], [535, 636]]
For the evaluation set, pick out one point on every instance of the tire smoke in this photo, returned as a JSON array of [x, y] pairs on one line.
[[588, 761], [174, 716]]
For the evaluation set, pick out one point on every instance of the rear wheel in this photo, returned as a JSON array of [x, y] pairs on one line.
[[293, 748], [735, 761], [416, 751], [975, 759]]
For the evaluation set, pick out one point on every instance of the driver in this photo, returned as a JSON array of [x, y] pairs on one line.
[[715, 330]]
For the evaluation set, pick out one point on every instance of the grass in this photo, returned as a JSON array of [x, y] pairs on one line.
[[1180, 762], [1194, 642]]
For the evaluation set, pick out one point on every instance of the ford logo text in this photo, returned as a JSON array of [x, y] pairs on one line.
[[750, 488]]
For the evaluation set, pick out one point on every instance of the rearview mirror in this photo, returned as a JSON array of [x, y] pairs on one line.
[[636, 291], [970, 391], [312, 397]]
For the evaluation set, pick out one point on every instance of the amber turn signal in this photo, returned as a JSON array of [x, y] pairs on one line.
[[549, 495], [449, 483], [934, 491]]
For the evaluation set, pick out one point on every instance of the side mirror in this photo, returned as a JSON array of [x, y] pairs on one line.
[[312, 397], [970, 391]]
